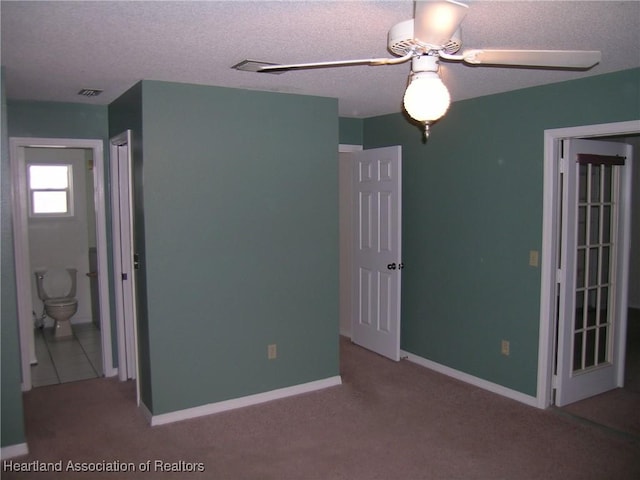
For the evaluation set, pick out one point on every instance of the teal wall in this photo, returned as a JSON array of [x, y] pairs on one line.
[[57, 120], [241, 241], [351, 130], [472, 211], [238, 218], [11, 413]]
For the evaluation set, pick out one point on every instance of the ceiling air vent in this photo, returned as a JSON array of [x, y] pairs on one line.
[[90, 92]]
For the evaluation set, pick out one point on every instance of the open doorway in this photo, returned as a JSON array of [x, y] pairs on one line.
[[370, 247], [33, 239], [615, 408], [552, 273]]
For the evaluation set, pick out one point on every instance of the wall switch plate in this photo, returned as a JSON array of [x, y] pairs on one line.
[[533, 258], [272, 351], [504, 348]]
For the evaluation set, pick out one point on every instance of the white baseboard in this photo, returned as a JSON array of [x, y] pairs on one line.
[[232, 404], [346, 333], [476, 381], [13, 451], [146, 412]]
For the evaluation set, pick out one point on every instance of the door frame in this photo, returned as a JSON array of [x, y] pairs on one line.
[[551, 248], [346, 233], [126, 321], [20, 207]]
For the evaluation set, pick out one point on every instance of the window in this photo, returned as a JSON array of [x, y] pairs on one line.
[[50, 192]]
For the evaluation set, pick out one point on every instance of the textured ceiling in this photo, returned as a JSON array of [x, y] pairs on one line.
[[52, 49]]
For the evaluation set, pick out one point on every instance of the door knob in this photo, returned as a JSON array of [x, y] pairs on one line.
[[391, 266], [400, 265]]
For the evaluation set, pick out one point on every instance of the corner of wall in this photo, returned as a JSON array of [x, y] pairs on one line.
[[351, 130], [12, 432]]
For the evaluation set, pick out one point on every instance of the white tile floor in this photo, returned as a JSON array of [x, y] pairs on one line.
[[67, 360]]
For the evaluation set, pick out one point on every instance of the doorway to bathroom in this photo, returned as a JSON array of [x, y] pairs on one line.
[[76, 238]]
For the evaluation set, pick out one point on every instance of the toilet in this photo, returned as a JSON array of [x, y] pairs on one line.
[[57, 290]]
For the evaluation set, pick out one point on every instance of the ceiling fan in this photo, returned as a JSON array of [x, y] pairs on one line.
[[432, 35]]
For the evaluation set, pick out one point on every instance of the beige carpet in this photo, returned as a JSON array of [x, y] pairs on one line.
[[387, 421]]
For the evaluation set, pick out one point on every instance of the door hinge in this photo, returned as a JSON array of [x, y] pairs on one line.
[[554, 381], [124, 276], [563, 165]]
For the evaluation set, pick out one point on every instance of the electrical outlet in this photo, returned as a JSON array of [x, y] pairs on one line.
[[533, 258], [272, 351], [504, 348]]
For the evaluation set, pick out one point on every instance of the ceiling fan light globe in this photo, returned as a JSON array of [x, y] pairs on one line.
[[426, 98]]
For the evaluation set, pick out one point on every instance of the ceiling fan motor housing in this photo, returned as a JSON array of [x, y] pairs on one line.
[[401, 41]]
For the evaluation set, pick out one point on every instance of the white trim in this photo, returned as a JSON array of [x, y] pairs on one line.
[[346, 148], [240, 402], [624, 242], [68, 191], [345, 186], [21, 237], [125, 297], [467, 378], [146, 412], [550, 247], [13, 451], [19, 208], [345, 333], [99, 199]]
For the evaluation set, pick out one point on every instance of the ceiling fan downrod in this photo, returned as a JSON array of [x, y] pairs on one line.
[[427, 130]]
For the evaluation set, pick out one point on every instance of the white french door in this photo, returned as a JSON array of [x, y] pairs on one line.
[[123, 257], [593, 268], [377, 262]]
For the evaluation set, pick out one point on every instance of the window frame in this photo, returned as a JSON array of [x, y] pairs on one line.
[[68, 191]]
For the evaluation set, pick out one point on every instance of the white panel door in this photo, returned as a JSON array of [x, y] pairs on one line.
[[377, 250], [122, 205], [593, 270]]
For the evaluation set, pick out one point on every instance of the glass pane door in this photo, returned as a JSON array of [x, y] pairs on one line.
[[592, 333]]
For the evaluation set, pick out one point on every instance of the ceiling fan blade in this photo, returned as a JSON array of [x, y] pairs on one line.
[[579, 59], [338, 63], [435, 22]]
